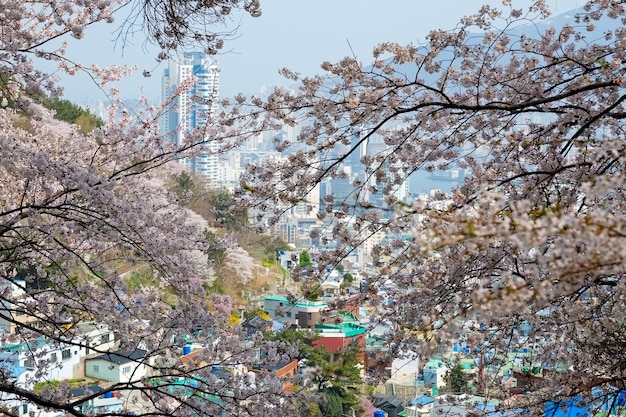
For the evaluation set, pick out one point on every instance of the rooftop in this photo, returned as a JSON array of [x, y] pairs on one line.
[[119, 357], [13, 370], [277, 298], [309, 303], [348, 329]]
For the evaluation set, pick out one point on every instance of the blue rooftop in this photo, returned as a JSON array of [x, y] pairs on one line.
[[570, 409], [14, 370], [422, 400]]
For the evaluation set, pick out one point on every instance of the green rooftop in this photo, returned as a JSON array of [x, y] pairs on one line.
[[436, 363], [349, 329], [348, 317], [277, 298]]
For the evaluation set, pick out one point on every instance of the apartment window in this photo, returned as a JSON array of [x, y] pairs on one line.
[[53, 357], [29, 363], [281, 304], [309, 316], [105, 338], [96, 369], [289, 314], [126, 370], [66, 354]]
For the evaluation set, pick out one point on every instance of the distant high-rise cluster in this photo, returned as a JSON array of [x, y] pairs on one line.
[[193, 107]]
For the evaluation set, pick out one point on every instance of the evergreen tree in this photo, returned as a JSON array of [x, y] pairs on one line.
[[456, 381], [332, 406], [305, 258], [184, 184], [69, 112], [227, 212]]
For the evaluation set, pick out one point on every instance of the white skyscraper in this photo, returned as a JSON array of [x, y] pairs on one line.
[[192, 108]]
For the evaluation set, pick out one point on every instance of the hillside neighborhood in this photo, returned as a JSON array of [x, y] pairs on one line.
[[463, 379], [433, 228]]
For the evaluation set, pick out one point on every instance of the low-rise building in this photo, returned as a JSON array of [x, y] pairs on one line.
[[20, 376], [419, 407], [284, 370], [434, 372], [117, 366], [279, 309], [57, 361], [377, 359], [13, 316], [337, 336], [305, 314]]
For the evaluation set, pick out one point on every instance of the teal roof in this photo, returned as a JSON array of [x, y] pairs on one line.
[[349, 329], [277, 298], [309, 303], [348, 317], [436, 363], [189, 387], [375, 342], [37, 343]]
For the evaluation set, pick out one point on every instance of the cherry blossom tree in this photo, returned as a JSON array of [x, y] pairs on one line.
[[79, 213], [32, 32], [529, 250], [92, 241]]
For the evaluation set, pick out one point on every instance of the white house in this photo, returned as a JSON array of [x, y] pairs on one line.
[[331, 287], [118, 366], [61, 360], [434, 373], [9, 364], [95, 337], [13, 290], [54, 361]]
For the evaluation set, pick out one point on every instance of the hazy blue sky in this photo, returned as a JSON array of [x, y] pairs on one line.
[[298, 34]]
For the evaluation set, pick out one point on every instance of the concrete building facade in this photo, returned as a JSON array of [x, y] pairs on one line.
[[191, 85]]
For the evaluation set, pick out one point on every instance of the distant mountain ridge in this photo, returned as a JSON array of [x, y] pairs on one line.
[[531, 30]]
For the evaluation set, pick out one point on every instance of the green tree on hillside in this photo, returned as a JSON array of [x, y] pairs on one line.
[[216, 251], [305, 259], [303, 340], [184, 184], [272, 245], [338, 368], [310, 409], [455, 379], [336, 372], [227, 213], [69, 112]]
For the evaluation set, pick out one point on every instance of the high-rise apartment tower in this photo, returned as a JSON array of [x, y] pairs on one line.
[[192, 108]]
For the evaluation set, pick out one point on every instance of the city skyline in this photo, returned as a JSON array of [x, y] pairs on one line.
[[299, 36]]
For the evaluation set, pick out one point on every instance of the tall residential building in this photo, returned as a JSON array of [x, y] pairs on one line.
[[192, 108]]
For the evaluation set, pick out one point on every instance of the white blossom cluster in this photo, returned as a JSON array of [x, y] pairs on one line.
[[532, 244]]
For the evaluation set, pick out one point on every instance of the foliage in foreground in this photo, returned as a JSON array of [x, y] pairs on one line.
[[528, 251], [530, 246], [79, 205]]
